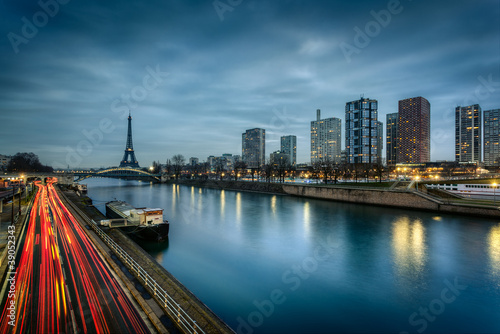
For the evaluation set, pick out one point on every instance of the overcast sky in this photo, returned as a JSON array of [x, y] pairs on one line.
[[195, 76]]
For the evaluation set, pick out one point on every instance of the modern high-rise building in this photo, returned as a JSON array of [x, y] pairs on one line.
[[391, 138], [325, 138], [491, 137], [253, 150], [380, 141], [289, 146], [361, 131], [414, 130], [468, 133]]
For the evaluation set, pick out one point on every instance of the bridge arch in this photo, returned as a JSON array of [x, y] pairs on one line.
[[126, 173]]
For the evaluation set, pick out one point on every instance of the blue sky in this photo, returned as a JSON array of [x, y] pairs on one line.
[[196, 75]]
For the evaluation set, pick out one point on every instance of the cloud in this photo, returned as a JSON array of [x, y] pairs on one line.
[[232, 75]]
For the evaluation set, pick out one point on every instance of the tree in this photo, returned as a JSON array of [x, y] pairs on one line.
[[169, 167], [178, 162], [379, 170], [219, 168], [281, 167], [155, 167], [267, 170], [239, 166], [27, 162]]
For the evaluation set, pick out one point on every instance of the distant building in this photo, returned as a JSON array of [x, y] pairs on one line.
[[468, 133], [325, 138], [289, 146], [391, 151], [277, 156], [343, 157], [193, 161], [380, 141], [414, 130], [253, 150], [4, 161], [361, 131], [491, 137]]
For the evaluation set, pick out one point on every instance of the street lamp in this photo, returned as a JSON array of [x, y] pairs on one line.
[[494, 193], [416, 180]]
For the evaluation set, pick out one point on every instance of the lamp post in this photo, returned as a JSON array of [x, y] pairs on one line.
[[416, 180]]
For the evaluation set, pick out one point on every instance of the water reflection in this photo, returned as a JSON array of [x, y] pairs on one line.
[[494, 250], [409, 248], [222, 203], [238, 208], [273, 205], [307, 218]]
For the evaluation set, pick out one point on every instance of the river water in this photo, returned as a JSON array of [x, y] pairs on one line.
[[281, 264]]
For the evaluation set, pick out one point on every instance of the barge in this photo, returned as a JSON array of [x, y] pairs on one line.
[[143, 223]]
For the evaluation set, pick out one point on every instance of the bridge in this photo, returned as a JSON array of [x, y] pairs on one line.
[[125, 173]]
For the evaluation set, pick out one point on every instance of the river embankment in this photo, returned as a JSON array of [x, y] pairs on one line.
[[398, 198]]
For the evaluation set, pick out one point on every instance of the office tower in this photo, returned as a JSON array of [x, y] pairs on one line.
[[361, 131], [491, 137], [325, 139], [468, 133], [253, 150], [414, 130], [380, 141], [289, 146], [392, 138]]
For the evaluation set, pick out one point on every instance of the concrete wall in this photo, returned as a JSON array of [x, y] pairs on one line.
[[384, 197], [392, 198]]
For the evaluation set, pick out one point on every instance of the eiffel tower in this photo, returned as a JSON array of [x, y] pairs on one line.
[[129, 159]]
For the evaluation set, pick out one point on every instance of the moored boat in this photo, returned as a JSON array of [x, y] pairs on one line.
[[143, 223]]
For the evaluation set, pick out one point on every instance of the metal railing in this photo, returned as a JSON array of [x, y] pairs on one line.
[[184, 321]]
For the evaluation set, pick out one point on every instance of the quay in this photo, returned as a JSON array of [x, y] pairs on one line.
[[402, 195], [184, 310]]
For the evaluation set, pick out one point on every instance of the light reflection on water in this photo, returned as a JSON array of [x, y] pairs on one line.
[[494, 251]]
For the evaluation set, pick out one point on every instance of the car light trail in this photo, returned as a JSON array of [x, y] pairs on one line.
[[99, 303]]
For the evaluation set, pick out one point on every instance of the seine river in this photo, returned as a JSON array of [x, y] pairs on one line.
[[280, 264]]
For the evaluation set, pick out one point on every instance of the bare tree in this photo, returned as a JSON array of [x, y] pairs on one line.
[[219, 168], [379, 170], [239, 166], [281, 167], [178, 163], [267, 170], [169, 167]]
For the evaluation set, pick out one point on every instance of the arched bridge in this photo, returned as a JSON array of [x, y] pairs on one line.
[[126, 173]]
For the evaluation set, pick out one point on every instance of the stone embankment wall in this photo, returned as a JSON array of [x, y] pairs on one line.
[[393, 198]]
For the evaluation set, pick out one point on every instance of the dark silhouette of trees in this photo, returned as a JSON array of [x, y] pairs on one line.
[[239, 167], [178, 163], [27, 162]]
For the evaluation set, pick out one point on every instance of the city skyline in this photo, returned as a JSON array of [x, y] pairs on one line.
[[195, 78]]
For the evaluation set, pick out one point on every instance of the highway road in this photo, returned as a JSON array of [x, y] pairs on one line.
[[62, 284]]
